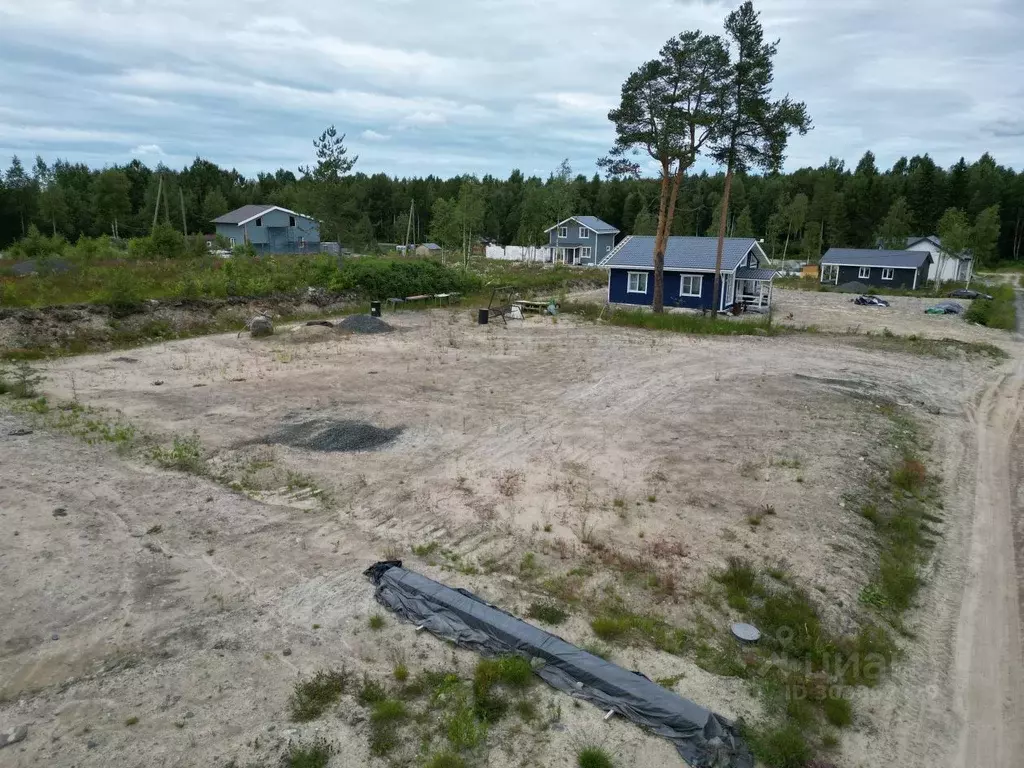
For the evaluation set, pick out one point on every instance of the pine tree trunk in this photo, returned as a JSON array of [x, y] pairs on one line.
[[659, 242], [722, 221]]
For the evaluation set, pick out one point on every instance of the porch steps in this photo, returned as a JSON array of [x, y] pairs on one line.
[[616, 249]]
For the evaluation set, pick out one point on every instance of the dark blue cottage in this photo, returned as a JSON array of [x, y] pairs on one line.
[[690, 273]]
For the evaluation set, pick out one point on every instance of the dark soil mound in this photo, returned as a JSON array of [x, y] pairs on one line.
[[364, 324], [334, 436]]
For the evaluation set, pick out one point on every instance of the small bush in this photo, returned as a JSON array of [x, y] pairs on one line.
[[388, 711], [463, 729], [909, 475], [315, 755], [784, 747], [445, 760], [610, 628], [371, 691], [547, 612], [311, 698], [185, 455], [594, 757], [838, 711], [740, 582]]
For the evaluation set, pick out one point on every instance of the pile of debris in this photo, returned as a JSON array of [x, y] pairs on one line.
[[333, 436], [364, 324]]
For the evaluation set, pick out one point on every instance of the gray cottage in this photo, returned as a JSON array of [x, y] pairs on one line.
[[270, 229], [882, 269], [582, 240]]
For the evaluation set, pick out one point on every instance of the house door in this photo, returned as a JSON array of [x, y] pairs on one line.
[[727, 287]]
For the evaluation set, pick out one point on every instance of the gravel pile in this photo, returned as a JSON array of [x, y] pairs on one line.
[[364, 324], [334, 436]]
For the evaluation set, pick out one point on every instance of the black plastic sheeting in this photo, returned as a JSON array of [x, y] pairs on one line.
[[704, 739]]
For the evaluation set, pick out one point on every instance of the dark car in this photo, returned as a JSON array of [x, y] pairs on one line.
[[967, 293]]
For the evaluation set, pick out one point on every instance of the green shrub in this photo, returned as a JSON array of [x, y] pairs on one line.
[[388, 711], [445, 760], [594, 757], [371, 691], [783, 747], [315, 755], [464, 730], [312, 697], [838, 711], [547, 612], [610, 628]]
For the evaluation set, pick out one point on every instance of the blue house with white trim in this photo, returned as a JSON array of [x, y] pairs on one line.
[[690, 273], [270, 229], [584, 240]]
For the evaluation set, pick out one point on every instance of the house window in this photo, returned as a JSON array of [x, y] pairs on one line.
[[864, 273], [584, 233], [607, 249], [690, 285], [563, 232], [232, 241], [829, 273], [887, 273], [291, 221], [637, 282], [585, 252], [259, 221]]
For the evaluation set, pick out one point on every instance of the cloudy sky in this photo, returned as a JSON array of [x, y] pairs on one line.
[[479, 86]]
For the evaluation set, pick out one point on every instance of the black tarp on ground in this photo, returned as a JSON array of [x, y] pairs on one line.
[[703, 739]]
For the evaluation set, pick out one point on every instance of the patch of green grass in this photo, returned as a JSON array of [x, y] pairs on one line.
[[314, 755], [389, 711], [371, 691], [426, 550], [594, 757], [376, 621], [619, 503], [529, 568], [680, 322], [311, 698], [445, 760], [549, 613], [400, 672], [131, 721], [464, 730], [614, 623], [185, 455], [838, 711], [526, 709], [782, 747], [740, 581], [719, 661], [599, 650]]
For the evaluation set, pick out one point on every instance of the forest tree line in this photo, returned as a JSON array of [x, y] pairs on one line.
[[799, 214]]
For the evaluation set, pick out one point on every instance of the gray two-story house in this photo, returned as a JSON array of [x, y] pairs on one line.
[[270, 229], [582, 240]]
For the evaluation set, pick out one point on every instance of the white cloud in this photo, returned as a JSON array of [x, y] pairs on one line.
[[148, 149], [480, 87]]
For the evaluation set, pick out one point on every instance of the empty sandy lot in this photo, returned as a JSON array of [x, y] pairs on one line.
[[172, 598], [905, 316]]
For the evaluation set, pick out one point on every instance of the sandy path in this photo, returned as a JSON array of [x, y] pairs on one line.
[[988, 654]]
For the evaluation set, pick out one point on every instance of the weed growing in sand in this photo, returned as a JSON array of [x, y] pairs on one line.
[[594, 757], [547, 612], [781, 747], [740, 582], [131, 721], [510, 482], [376, 621], [19, 379], [185, 455], [314, 755], [312, 697], [445, 760]]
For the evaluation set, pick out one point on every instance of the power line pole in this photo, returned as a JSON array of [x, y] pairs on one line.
[[184, 226], [156, 207], [408, 226]]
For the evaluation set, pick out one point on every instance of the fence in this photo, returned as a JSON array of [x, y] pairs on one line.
[[537, 253]]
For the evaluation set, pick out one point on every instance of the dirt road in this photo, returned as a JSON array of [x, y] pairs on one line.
[[988, 650]]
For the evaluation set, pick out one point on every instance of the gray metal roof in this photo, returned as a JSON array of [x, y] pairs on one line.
[[241, 214], [594, 223], [869, 257], [913, 239], [682, 253], [747, 273], [590, 222]]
